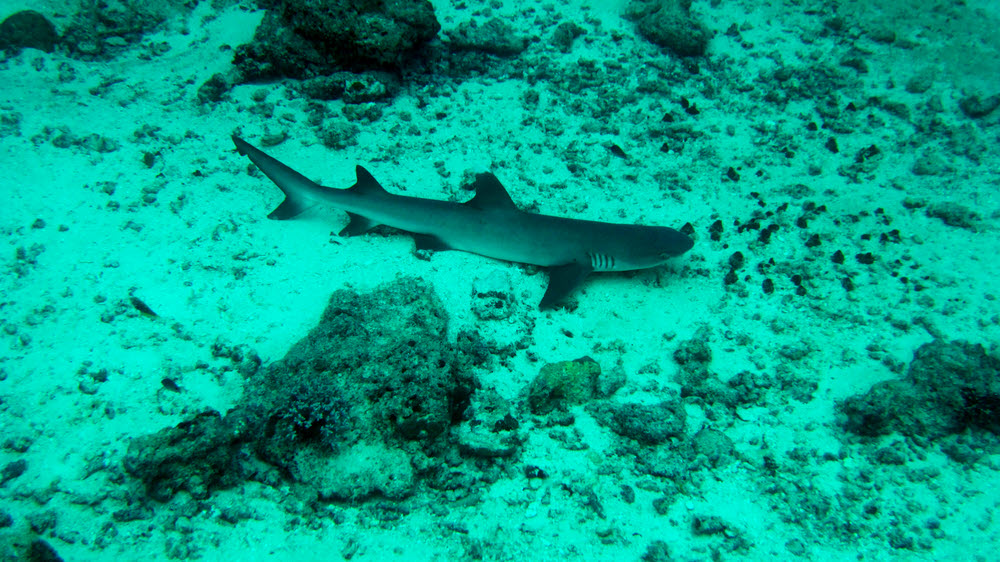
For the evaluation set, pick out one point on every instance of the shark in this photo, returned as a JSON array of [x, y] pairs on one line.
[[489, 224]]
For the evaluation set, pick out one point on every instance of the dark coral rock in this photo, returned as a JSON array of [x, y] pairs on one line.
[[41, 522], [669, 24], [708, 525], [564, 35], [954, 214], [213, 90], [694, 356], [496, 37], [658, 551], [975, 106], [709, 387], [369, 87], [307, 412], [964, 382], [750, 387], [694, 353], [886, 406], [950, 387], [277, 51], [650, 424], [716, 446], [493, 296], [305, 38], [351, 87], [41, 551], [387, 350], [95, 23], [137, 512], [196, 455], [377, 379], [28, 29], [352, 411], [245, 359], [12, 470], [490, 430]]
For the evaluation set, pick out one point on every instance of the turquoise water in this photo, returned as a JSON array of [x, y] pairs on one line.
[[817, 378]]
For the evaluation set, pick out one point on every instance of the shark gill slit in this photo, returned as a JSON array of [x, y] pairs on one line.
[[602, 262]]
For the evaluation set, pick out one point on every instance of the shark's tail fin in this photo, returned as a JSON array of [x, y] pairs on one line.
[[293, 184]]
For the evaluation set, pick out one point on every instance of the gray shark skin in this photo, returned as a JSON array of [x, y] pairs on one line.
[[489, 225]]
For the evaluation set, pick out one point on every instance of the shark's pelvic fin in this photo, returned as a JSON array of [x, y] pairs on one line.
[[563, 279], [490, 194], [290, 208], [431, 242], [357, 225]]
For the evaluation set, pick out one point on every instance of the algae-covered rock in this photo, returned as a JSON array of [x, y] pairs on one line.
[[564, 383], [197, 455]]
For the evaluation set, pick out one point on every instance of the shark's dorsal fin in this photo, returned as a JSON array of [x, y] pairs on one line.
[[562, 280], [367, 184], [490, 194]]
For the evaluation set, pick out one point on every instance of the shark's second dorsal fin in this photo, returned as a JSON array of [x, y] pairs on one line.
[[367, 184], [490, 194]]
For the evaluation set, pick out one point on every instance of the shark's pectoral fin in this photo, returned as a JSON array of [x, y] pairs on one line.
[[563, 279], [430, 242], [357, 225]]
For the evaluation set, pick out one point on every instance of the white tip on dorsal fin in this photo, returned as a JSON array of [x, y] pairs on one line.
[[490, 194]]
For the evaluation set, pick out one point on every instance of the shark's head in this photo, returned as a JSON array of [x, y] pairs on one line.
[[670, 243], [638, 247]]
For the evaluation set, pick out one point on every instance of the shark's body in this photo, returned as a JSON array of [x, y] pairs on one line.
[[489, 225]]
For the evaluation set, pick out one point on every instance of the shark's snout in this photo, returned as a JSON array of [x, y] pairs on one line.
[[673, 242], [684, 243]]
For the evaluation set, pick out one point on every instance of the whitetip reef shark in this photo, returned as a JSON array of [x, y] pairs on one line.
[[489, 224]]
